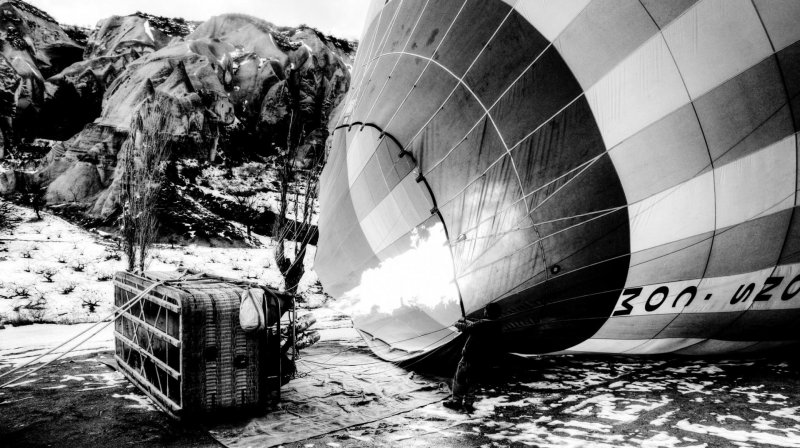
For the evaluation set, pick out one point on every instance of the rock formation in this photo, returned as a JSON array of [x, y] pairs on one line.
[[236, 86], [75, 95], [32, 47], [233, 84]]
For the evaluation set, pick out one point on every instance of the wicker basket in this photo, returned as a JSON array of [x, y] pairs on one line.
[[183, 346]]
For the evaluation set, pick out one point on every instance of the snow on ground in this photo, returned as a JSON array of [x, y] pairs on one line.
[[530, 408], [50, 268], [260, 179], [139, 402], [22, 344], [53, 271]]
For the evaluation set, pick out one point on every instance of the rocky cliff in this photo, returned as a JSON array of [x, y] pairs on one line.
[[75, 95], [234, 84], [32, 47]]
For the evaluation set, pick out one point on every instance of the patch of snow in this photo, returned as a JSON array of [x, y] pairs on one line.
[[22, 344], [592, 426], [148, 30], [141, 402], [690, 388], [788, 413], [739, 435], [22, 383], [72, 378], [610, 407], [545, 385], [663, 440], [662, 419], [722, 418], [86, 389]]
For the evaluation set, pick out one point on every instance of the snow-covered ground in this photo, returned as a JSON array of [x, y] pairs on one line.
[[572, 401], [258, 178], [51, 270], [20, 345]]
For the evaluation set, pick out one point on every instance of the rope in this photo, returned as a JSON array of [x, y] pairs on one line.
[[60, 355], [504, 295], [103, 323], [531, 309], [523, 311]]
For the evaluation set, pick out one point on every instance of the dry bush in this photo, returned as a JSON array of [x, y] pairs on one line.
[[47, 273], [67, 287], [14, 291], [30, 311], [91, 301], [247, 212], [104, 276], [111, 254], [34, 197], [79, 266]]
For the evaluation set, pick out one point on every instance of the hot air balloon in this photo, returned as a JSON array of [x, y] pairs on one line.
[[619, 175]]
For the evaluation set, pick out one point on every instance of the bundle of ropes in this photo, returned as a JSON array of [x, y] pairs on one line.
[[95, 329]]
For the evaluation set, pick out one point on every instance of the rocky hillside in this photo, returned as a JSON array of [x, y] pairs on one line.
[[234, 84], [75, 94], [32, 47]]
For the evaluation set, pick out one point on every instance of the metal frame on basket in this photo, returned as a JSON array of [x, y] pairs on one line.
[[159, 397]]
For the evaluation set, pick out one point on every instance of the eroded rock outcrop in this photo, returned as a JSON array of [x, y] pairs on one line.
[[79, 182], [122, 34], [234, 85], [75, 95], [32, 47]]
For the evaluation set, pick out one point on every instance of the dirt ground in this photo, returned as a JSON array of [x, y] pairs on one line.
[[84, 402], [557, 401]]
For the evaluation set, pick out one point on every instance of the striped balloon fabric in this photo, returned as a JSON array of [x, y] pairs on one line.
[[619, 175]]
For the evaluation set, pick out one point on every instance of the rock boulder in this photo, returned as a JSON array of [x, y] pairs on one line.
[[78, 183]]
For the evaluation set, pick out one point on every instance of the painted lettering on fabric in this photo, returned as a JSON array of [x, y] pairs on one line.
[[709, 296]]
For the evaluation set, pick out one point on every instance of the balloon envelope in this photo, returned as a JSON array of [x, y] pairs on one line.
[[619, 175]]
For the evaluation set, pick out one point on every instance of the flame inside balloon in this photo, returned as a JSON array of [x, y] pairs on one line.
[[419, 277]]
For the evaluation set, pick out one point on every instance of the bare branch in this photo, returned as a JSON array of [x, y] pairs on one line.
[[145, 155]]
